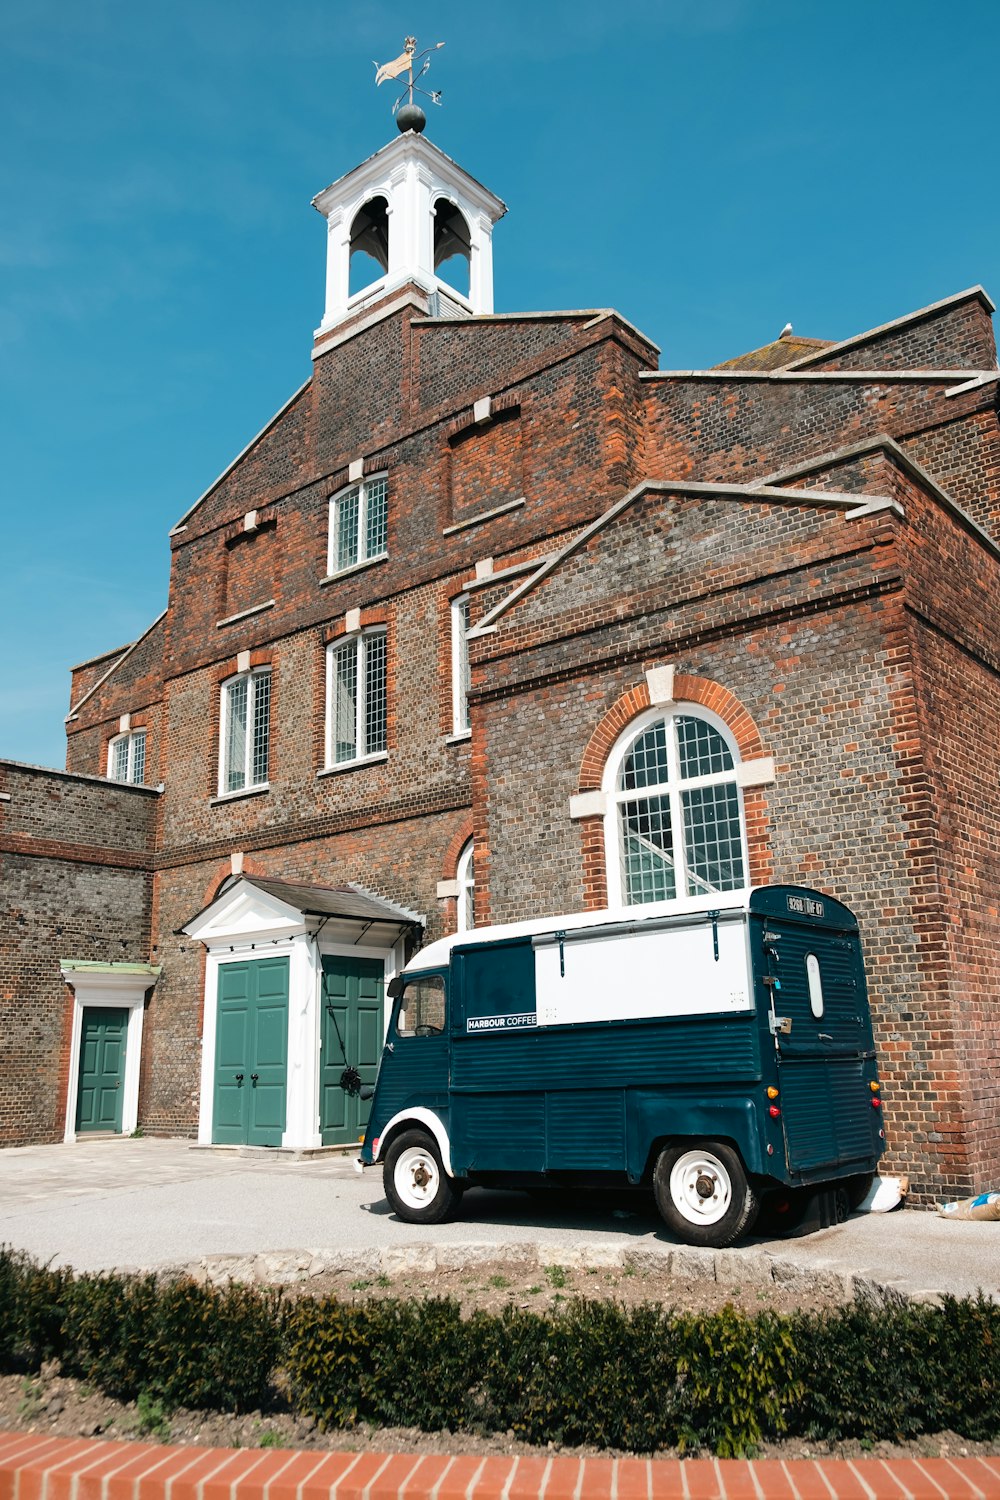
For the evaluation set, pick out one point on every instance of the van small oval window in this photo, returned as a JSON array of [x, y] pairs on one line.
[[815, 985]]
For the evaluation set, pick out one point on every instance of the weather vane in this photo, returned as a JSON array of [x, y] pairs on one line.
[[409, 116]]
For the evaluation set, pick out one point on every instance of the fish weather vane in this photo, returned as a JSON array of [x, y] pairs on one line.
[[409, 115]]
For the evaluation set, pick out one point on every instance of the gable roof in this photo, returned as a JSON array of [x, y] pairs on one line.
[[126, 653], [970, 294], [863, 503]]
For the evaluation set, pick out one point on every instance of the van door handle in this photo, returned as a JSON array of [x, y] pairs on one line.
[[824, 1036]]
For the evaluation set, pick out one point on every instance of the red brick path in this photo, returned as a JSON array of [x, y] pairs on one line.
[[40, 1468]]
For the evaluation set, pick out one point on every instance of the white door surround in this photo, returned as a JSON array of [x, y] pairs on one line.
[[117, 987]]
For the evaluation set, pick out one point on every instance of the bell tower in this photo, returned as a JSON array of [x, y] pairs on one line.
[[409, 214]]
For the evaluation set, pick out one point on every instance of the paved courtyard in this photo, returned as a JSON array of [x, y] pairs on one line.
[[104, 1204]]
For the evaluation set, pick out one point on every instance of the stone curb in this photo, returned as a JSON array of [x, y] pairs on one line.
[[750, 1267]]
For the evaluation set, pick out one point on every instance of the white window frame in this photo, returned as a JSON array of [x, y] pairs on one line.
[[363, 491], [460, 725], [251, 678], [672, 790], [465, 879], [360, 641], [132, 738]]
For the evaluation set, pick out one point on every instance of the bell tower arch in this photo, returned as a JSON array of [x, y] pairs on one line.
[[408, 214]]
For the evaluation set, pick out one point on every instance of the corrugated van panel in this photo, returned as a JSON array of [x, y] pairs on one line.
[[724, 1049], [586, 1131]]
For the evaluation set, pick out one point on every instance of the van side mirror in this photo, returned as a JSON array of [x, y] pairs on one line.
[[395, 987]]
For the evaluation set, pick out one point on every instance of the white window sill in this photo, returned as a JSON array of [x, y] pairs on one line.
[[243, 791], [358, 567], [460, 738], [245, 614], [352, 765]]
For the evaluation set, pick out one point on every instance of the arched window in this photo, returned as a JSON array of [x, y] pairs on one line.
[[369, 257], [675, 824], [466, 889], [452, 247]]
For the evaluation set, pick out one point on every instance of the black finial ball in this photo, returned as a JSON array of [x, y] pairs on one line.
[[411, 117]]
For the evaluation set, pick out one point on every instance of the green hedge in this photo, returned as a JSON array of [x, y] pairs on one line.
[[178, 1341], [638, 1379]]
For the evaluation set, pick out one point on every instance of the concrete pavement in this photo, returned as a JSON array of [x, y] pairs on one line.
[[106, 1204]]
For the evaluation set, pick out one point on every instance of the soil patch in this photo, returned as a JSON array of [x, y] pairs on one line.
[[493, 1285]]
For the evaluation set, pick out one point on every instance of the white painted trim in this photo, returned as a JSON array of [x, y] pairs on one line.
[[759, 772], [868, 377], [588, 805], [245, 614], [484, 515], [660, 683], [419, 1116], [609, 784], [460, 680], [972, 385], [352, 765], [116, 992], [356, 567]]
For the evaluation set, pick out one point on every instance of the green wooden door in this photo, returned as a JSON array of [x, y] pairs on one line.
[[101, 1081], [251, 1053], [350, 1035]]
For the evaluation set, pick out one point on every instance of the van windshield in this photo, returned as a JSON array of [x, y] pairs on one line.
[[421, 1008]]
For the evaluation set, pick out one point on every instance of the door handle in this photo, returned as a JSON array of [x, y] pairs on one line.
[[239, 1079], [253, 1078]]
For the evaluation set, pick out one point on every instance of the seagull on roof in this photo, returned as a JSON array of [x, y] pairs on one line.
[[785, 331]]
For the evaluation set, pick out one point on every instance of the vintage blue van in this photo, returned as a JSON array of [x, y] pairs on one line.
[[716, 1055]]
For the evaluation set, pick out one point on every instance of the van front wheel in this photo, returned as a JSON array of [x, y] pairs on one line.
[[703, 1194], [416, 1184]]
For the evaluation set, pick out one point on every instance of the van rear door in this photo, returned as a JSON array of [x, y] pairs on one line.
[[810, 978]]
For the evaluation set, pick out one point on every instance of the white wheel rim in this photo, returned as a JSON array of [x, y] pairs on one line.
[[700, 1187], [416, 1177]]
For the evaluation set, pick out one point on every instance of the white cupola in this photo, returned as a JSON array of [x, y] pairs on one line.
[[408, 214]]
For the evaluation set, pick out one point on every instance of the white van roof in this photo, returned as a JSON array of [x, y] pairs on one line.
[[437, 955]]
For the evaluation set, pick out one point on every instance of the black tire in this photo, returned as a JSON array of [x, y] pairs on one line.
[[417, 1186], [781, 1211], [703, 1193]]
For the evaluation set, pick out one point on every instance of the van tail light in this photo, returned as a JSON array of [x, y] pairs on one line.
[[772, 1092], [876, 1102], [774, 1112]]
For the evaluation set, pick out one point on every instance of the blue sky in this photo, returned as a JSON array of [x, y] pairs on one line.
[[712, 168]]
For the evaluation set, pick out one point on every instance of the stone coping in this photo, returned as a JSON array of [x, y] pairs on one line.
[[33, 1467], [743, 1267]]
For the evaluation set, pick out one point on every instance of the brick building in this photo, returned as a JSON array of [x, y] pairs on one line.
[[496, 619]]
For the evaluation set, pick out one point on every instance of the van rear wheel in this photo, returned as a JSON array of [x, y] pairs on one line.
[[703, 1194], [416, 1184]]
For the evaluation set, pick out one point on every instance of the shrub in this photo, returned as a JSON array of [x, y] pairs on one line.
[[637, 1379]]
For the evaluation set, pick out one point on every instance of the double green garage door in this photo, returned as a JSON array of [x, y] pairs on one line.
[[251, 1049]]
